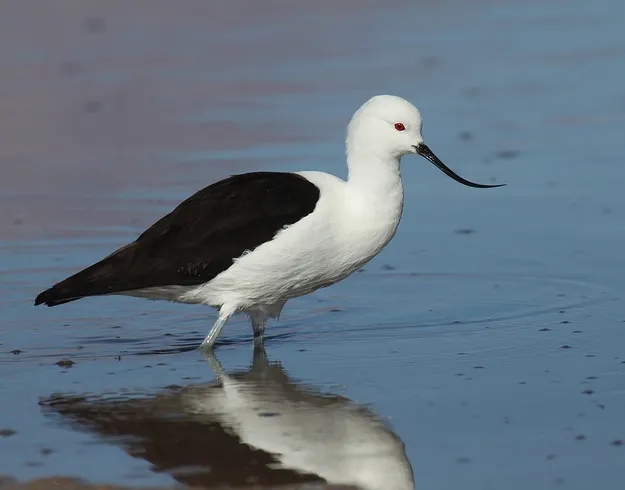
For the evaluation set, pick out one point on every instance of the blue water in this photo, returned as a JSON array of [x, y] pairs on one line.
[[489, 336]]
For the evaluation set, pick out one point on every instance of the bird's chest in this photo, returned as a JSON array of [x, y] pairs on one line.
[[364, 232], [366, 240]]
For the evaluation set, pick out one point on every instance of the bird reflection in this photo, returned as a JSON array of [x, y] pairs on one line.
[[254, 427]]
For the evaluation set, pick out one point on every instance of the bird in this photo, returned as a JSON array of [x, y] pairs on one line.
[[252, 241]]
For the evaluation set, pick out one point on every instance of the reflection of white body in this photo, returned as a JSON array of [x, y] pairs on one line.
[[331, 437]]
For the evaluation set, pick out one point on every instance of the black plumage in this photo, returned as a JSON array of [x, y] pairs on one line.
[[199, 239]]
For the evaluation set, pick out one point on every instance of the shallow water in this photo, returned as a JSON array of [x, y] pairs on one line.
[[484, 348]]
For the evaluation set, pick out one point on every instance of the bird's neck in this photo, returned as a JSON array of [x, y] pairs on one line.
[[376, 200], [374, 175]]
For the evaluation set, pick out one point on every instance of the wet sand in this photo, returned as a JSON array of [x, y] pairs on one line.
[[482, 349]]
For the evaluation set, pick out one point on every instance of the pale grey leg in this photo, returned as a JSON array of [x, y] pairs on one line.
[[259, 322], [259, 358], [214, 364], [209, 341]]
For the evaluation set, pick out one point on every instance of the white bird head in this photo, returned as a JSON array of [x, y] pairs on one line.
[[389, 127]]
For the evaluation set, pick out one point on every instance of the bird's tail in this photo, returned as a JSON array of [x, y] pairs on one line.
[[91, 281], [103, 277], [62, 292], [54, 296]]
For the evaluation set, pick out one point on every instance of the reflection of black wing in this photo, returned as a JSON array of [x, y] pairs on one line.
[[197, 452], [199, 239]]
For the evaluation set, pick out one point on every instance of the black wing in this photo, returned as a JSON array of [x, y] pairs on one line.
[[199, 239]]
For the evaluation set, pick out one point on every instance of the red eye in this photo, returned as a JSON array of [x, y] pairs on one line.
[[400, 127]]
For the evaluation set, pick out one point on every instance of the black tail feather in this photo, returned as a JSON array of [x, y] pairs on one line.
[[97, 279], [54, 296], [80, 285]]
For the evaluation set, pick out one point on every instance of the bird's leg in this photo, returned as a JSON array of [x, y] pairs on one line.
[[214, 364], [259, 322], [259, 358], [209, 341], [259, 330]]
